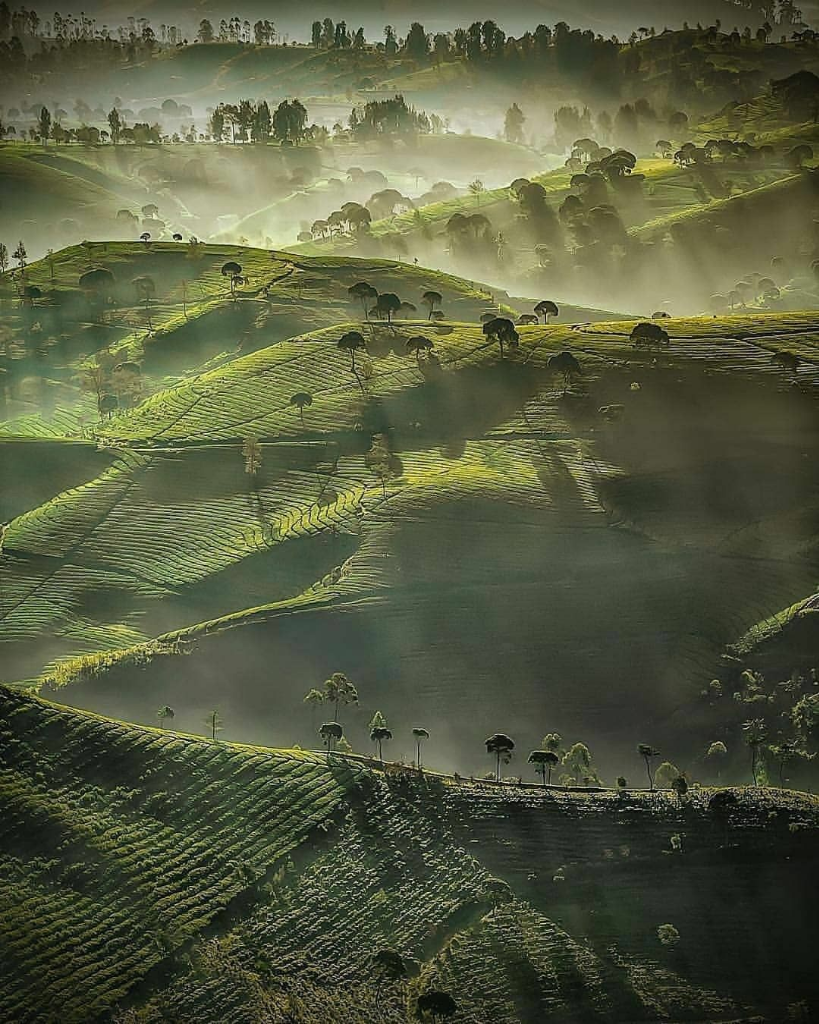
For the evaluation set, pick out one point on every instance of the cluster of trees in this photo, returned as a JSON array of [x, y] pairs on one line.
[[783, 730], [69, 41], [354, 218], [325, 35], [633, 127], [246, 120], [386, 305], [575, 761], [237, 30], [22, 22], [340, 692], [391, 117]]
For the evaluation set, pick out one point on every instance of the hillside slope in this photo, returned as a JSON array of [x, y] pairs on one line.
[[152, 875], [652, 509]]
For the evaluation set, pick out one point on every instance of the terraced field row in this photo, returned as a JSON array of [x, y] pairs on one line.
[[105, 881]]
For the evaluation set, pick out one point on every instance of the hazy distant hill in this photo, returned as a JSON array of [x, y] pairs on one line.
[[292, 17]]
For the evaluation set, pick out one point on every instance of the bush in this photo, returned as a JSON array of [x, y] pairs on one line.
[[668, 935]]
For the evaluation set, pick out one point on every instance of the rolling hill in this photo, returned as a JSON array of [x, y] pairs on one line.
[[150, 875], [625, 507]]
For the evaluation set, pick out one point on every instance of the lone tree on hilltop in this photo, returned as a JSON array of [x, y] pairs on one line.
[[163, 714], [351, 342], [545, 761], [501, 746], [434, 1005], [432, 300], [502, 331], [546, 308], [300, 401], [331, 733], [419, 735], [647, 752], [214, 721]]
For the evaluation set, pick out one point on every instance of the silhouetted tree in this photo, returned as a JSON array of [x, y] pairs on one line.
[[647, 752], [331, 733], [364, 293], [418, 345], [513, 124], [351, 342], [501, 746], [502, 331], [546, 308], [107, 405], [214, 721], [44, 125], [434, 1004], [545, 761], [680, 786], [378, 735], [233, 271], [419, 735], [567, 365], [300, 401], [386, 305], [432, 300], [649, 335], [784, 753]]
